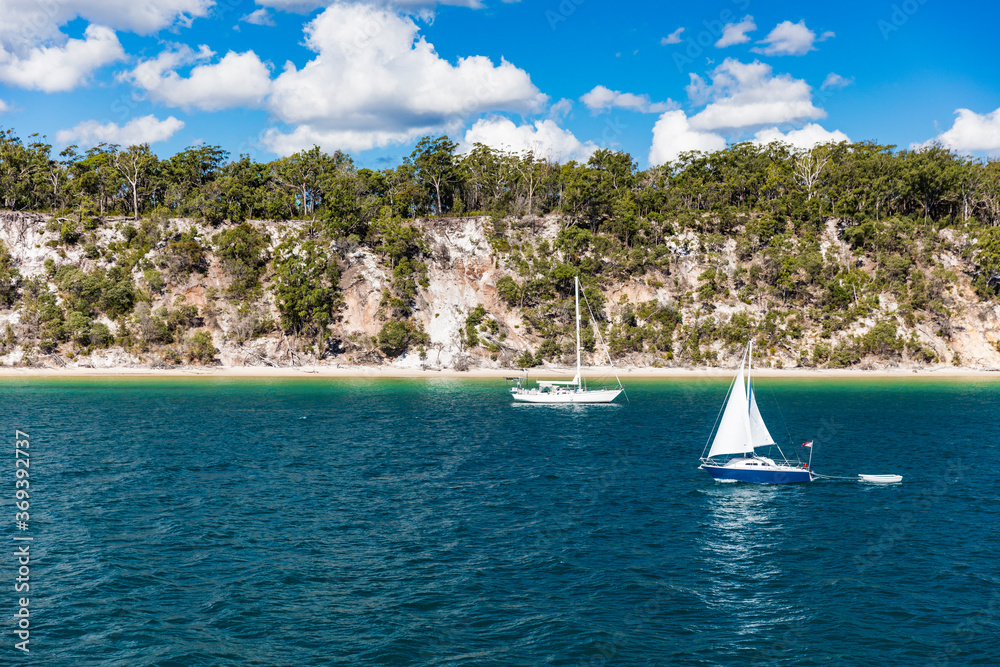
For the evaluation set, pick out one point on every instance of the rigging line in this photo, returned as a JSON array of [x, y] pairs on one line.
[[732, 383], [816, 474], [607, 350], [781, 414]]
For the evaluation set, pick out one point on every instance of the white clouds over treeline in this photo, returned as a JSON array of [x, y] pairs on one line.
[[972, 133], [369, 77], [145, 129], [741, 97], [374, 80]]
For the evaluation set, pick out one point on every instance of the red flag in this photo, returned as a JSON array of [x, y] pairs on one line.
[[807, 444]]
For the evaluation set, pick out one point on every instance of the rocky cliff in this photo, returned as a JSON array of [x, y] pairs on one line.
[[463, 265]]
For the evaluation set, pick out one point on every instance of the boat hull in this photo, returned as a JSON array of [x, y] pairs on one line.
[[777, 475], [588, 396], [881, 479]]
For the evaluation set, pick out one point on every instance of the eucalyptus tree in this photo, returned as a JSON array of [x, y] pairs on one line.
[[491, 179], [533, 172], [304, 174], [436, 169], [187, 174], [930, 174], [18, 166], [136, 165], [987, 200], [403, 193], [95, 178], [351, 199]]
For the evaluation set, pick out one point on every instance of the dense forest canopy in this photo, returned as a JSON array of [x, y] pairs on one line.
[[857, 181], [618, 224]]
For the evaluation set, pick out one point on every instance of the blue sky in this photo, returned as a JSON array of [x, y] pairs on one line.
[[560, 77]]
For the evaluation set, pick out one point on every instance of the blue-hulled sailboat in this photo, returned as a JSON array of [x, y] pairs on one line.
[[741, 430]]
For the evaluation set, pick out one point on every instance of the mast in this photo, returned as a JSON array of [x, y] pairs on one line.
[[749, 396], [576, 282]]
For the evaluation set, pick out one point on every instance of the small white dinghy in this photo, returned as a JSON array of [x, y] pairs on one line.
[[881, 479]]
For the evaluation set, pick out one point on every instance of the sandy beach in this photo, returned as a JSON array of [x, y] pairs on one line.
[[486, 373]]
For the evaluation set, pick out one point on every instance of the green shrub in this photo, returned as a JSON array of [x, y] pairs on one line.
[[200, 347], [396, 336], [154, 279], [508, 290]]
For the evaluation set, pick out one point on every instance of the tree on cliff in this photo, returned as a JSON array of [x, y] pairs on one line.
[[436, 169], [136, 165]]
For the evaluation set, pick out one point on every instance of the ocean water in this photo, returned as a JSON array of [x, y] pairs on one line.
[[433, 522]]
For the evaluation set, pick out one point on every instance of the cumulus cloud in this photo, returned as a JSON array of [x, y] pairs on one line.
[[972, 132], [4, 107], [673, 135], [29, 23], [35, 53], [61, 68], [744, 95], [602, 99], [789, 39], [238, 79], [834, 81], [808, 136], [672, 38], [736, 33], [143, 130], [545, 138], [375, 81]]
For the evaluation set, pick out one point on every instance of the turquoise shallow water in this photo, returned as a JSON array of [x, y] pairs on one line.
[[434, 523]]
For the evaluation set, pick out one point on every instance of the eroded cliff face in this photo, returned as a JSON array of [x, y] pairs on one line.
[[462, 273]]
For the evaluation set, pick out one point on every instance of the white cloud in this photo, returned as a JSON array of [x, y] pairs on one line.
[[146, 129], [375, 81], [35, 53], [30, 23], [561, 109], [672, 38], [805, 138], [604, 99], [736, 33], [673, 135], [4, 107], [61, 68], [304, 137], [747, 94], [238, 79], [545, 138], [259, 17], [834, 81], [789, 39], [407, 6], [972, 132]]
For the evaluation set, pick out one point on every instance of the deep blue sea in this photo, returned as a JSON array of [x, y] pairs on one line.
[[433, 522]]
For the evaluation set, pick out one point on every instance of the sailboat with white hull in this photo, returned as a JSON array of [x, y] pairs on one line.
[[565, 391], [741, 430]]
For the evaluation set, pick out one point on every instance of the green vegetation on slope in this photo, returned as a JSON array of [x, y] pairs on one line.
[[799, 249]]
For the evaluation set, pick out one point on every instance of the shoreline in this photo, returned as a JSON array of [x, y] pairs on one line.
[[390, 372]]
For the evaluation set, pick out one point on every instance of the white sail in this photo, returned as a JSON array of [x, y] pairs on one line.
[[734, 434], [758, 430], [576, 284]]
